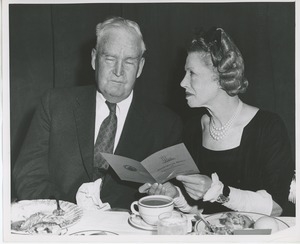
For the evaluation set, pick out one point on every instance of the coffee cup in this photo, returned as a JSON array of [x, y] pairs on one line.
[[150, 207]]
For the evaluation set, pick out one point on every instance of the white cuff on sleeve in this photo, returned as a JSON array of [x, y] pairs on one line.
[[182, 204], [249, 201], [240, 200], [215, 189]]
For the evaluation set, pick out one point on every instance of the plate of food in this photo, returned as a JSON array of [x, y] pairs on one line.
[[235, 223], [37, 217]]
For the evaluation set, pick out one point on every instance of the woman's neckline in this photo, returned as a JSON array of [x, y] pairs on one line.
[[242, 137], [221, 151]]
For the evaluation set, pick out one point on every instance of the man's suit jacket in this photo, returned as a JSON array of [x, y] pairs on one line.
[[57, 155]]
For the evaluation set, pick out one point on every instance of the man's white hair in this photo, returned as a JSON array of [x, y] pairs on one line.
[[119, 22]]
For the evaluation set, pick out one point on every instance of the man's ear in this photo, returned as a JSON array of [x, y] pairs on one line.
[[141, 66], [93, 58]]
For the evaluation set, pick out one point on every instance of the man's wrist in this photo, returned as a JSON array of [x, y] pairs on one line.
[[178, 193]]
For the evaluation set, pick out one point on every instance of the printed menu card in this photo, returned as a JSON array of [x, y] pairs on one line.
[[158, 167]]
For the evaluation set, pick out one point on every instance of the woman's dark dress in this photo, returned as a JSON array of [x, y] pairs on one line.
[[262, 161]]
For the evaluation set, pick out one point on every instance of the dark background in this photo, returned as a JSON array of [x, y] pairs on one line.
[[50, 46]]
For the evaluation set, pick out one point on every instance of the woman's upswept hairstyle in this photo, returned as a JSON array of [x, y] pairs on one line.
[[225, 56], [119, 22]]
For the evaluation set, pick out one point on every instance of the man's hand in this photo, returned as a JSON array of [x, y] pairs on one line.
[[196, 185], [167, 189]]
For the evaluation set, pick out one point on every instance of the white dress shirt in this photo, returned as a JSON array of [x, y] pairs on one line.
[[102, 111]]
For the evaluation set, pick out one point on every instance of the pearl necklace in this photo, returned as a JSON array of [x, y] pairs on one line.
[[218, 133]]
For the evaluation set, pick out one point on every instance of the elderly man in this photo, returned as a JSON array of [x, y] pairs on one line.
[[72, 126]]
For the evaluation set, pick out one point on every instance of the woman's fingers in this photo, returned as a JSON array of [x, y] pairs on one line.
[[195, 185], [197, 193], [194, 194], [193, 179]]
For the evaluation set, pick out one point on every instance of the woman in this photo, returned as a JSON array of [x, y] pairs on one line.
[[242, 152]]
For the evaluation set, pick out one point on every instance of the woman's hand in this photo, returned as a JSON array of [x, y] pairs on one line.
[[167, 189], [196, 185]]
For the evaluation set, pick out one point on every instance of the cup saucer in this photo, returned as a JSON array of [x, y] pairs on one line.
[[138, 222]]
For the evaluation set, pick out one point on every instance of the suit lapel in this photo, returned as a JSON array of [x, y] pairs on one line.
[[132, 143], [84, 113]]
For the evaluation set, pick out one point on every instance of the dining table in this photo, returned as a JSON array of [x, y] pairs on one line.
[[116, 226]]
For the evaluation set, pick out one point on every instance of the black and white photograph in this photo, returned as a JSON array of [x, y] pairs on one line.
[[201, 95]]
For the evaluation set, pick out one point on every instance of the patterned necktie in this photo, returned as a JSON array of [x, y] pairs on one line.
[[105, 142]]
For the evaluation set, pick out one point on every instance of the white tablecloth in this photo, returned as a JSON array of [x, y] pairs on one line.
[[117, 222], [109, 221]]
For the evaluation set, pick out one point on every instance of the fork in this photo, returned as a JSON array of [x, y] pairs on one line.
[[58, 211], [201, 217]]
